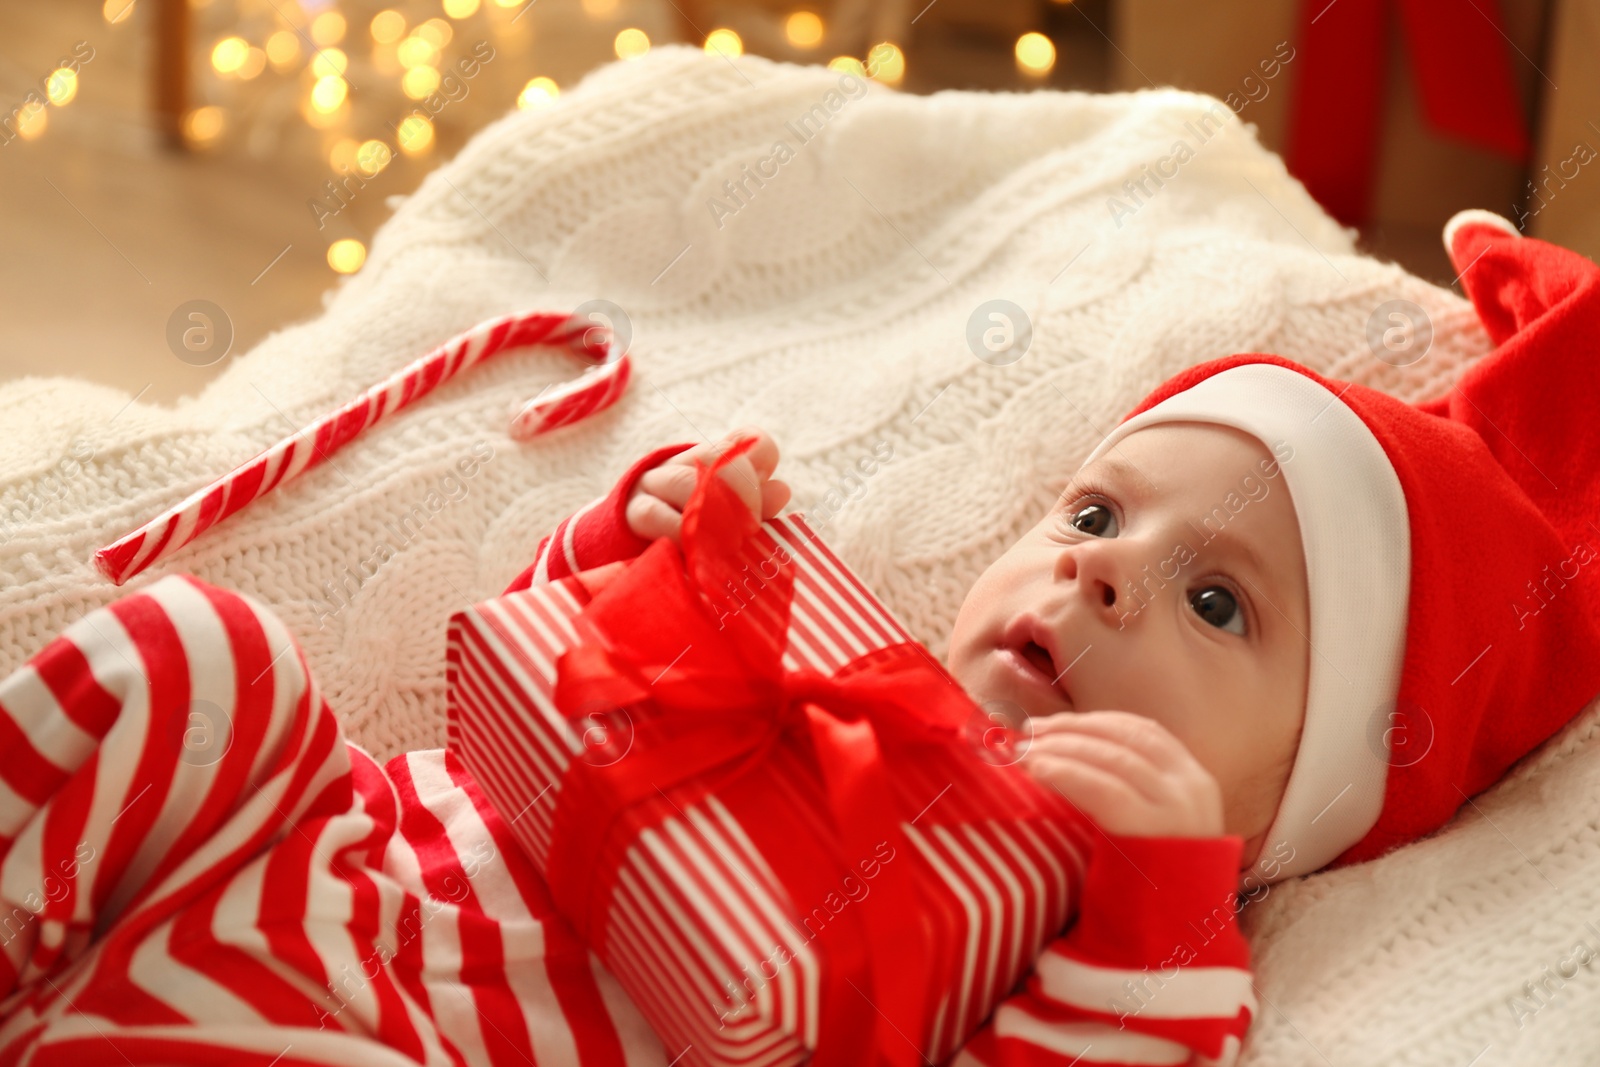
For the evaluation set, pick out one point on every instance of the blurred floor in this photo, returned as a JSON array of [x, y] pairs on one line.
[[107, 234]]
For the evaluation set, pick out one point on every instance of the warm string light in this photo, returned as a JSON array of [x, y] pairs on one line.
[[31, 120], [116, 11], [418, 82], [203, 124], [803, 29], [343, 154], [724, 41], [228, 54], [410, 51], [61, 86], [328, 28], [436, 32], [329, 63], [346, 255], [886, 63], [539, 92], [631, 43], [387, 26], [415, 51], [415, 135], [372, 157], [283, 49], [1036, 54], [329, 93]]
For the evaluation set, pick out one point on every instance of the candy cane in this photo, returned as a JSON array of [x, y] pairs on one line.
[[596, 389]]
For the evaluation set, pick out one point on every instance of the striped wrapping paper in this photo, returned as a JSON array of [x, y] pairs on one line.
[[702, 933]]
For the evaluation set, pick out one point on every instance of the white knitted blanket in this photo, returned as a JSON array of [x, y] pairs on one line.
[[830, 304]]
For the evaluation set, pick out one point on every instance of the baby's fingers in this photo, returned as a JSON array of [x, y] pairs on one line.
[[763, 455], [774, 495], [1138, 732], [1108, 756], [671, 483], [650, 517], [1102, 795]]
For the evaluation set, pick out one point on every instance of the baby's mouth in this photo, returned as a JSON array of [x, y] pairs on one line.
[[1036, 654], [1030, 648], [1034, 662]]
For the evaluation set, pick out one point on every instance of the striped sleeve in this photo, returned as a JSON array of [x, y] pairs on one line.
[[595, 534], [1153, 971]]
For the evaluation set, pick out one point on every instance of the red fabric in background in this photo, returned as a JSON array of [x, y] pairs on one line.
[[1459, 58]]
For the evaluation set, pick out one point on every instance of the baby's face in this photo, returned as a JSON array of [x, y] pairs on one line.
[[1168, 580]]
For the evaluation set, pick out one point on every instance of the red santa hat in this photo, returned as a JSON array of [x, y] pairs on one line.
[[1452, 551]]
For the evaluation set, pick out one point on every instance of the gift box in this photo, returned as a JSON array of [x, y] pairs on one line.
[[776, 819]]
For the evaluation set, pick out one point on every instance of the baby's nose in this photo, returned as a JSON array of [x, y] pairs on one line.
[[1097, 578]]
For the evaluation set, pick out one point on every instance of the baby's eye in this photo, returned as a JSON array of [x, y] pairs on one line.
[[1095, 520], [1217, 606]]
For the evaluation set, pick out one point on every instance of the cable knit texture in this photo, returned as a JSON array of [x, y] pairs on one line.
[[830, 306]]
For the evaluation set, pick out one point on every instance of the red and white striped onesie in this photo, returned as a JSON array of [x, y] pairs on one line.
[[197, 867]]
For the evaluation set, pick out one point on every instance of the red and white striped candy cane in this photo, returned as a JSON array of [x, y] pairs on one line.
[[596, 389]]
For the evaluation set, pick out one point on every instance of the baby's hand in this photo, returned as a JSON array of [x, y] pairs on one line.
[[1127, 773], [655, 509]]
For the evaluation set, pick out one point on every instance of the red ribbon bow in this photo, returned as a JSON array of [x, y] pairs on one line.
[[709, 703]]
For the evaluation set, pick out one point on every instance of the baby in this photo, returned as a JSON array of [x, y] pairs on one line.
[[1274, 623], [1270, 605], [1140, 896]]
